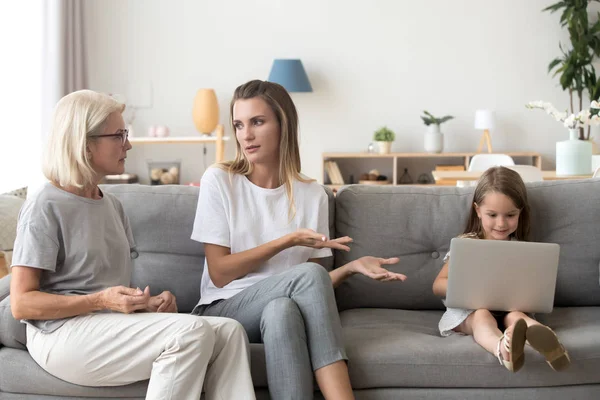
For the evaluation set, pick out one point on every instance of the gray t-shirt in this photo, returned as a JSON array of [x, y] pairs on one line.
[[82, 245]]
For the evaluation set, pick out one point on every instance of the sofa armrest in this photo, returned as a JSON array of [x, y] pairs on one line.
[[4, 287]]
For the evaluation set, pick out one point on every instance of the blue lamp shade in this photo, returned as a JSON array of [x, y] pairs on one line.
[[291, 75]]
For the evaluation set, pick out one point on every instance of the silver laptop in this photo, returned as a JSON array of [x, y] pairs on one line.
[[502, 275]]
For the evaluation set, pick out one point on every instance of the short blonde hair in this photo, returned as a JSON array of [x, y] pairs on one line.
[[77, 117]]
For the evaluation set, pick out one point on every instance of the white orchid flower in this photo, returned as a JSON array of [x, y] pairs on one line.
[[570, 122], [595, 104]]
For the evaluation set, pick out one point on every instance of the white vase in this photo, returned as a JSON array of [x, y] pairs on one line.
[[573, 156], [384, 147], [434, 140]]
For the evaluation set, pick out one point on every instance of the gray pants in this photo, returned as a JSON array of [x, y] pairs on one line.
[[295, 315]]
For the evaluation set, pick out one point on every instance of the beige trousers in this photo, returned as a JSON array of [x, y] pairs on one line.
[[177, 352]]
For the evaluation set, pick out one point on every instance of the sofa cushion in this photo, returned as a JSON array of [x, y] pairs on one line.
[[19, 373], [417, 224], [9, 213], [566, 212], [411, 222], [403, 348], [12, 332], [4, 287], [17, 364]]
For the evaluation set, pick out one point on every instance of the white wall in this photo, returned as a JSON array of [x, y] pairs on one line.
[[370, 62]]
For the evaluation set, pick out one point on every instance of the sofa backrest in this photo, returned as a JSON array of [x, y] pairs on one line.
[[417, 224], [162, 219]]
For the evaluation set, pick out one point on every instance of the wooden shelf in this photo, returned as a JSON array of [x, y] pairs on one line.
[[395, 160], [218, 139], [420, 155], [175, 139], [474, 175]]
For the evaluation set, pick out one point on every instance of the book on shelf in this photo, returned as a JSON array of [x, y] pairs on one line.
[[448, 182], [449, 167], [333, 170]]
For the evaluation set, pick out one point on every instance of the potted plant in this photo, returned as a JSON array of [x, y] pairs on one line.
[[575, 67], [384, 138], [434, 138], [573, 156]]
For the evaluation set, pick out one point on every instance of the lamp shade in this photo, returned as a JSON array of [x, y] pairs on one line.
[[484, 119], [290, 74], [205, 111]]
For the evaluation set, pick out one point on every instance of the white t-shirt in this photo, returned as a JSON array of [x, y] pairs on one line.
[[235, 213]]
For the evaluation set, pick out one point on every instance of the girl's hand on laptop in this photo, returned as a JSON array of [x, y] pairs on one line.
[[373, 268], [310, 238]]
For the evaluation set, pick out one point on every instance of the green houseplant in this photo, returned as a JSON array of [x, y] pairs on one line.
[[384, 138], [434, 139], [429, 119], [575, 67]]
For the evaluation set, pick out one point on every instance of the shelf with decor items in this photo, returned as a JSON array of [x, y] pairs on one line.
[[348, 167], [219, 139]]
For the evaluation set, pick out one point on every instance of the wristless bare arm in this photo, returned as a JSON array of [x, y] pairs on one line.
[[28, 302], [440, 284], [224, 267]]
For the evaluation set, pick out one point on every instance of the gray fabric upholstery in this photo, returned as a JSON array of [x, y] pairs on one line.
[[12, 332], [417, 224], [403, 348], [161, 219], [20, 374], [4, 287], [413, 223], [567, 213], [17, 364], [390, 329], [582, 392]]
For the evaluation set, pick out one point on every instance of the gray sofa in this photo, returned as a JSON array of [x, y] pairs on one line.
[[390, 329]]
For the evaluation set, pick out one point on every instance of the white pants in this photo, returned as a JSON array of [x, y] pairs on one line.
[[177, 352]]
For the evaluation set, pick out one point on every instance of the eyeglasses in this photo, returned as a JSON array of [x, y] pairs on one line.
[[122, 134]]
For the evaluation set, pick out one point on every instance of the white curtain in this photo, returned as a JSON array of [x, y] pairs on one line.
[[63, 53], [64, 63]]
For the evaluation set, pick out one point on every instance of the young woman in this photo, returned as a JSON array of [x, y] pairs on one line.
[[265, 229]]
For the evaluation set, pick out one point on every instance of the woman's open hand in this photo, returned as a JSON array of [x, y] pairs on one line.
[[373, 268], [310, 238]]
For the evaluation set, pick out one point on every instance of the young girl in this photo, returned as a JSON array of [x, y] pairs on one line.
[[500, 211], [264, 227]]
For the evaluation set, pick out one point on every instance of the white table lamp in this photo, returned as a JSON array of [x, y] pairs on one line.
[[484, 120]]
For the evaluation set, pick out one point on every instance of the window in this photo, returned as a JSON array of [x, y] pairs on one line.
[[21, 27]]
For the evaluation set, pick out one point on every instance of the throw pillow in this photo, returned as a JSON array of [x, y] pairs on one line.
[[9, 214]]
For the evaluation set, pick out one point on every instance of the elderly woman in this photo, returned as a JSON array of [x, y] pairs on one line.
[[72, 270]]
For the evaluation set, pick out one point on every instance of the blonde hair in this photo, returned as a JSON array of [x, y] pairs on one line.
[[77, 117], [289, 152], [509, 183]]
